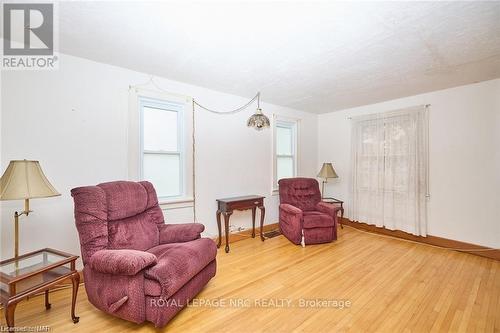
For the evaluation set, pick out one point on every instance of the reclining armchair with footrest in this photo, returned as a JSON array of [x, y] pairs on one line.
[[136, 267], [303, 217]]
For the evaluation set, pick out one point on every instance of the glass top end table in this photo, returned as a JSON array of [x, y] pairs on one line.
[[29, 263], [35, 272], [334, 201]]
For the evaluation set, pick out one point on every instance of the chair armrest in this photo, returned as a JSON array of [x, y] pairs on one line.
[[121, 262], [328, 208], [291, 222], [179, 233], [291, 209]]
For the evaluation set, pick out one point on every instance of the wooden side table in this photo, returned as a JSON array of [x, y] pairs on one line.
[[32, 273], [338, 202], [228, 205]]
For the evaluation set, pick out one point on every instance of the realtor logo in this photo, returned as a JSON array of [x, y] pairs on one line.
[[29, 36]]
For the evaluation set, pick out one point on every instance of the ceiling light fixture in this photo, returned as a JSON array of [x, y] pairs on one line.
[[258, 120]]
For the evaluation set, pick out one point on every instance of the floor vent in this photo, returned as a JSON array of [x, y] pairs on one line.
[[272, 233]]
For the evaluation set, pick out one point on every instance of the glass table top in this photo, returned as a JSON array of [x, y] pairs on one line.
[[31, 263]]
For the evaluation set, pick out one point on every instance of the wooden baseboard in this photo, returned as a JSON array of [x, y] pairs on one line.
[[245, 234], [431, 240]]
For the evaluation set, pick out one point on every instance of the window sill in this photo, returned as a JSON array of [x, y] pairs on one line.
[[176, 203]]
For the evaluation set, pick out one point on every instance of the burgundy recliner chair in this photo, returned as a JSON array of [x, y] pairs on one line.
[[304, 219], [136, 267]]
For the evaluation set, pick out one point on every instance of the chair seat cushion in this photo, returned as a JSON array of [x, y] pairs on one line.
[[315, 219], [177, 264]]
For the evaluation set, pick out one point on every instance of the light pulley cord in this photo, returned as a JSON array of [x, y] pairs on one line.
[[256, 97]]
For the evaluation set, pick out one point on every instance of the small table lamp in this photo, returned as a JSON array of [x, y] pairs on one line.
[[327, 171], [24, 180]]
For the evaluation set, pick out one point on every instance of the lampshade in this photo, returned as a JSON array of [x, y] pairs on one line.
[[25, 180], [258, 120], [327, 171]]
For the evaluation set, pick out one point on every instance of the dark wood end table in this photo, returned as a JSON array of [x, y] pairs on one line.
[[35, 272], [338, 202], [228, 205]]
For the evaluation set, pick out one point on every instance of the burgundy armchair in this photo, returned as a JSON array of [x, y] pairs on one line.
[[303, 218], [136, 267]]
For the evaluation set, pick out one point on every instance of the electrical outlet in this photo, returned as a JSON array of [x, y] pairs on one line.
[[233, 228]]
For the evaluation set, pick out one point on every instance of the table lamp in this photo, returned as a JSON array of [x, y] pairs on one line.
[[327, 171], [24, 179]]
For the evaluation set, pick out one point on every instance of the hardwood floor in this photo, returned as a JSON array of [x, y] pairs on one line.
[[392, 285]]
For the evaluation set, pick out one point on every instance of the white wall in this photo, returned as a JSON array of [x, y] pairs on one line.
[[74, 121], [464, 158]]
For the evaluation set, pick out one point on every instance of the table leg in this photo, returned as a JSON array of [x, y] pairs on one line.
[[341, 216], [253, 221], [262, 215], [226, 225], [9, 314], [220, 228], [47, 304], [75, 280]]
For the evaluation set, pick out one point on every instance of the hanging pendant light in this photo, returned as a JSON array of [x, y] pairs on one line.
[[258, 120]]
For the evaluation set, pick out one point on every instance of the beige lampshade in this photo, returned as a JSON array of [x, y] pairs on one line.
[[25, 180], [327, 171]]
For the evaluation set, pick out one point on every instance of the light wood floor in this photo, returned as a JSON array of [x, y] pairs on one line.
[[393, 285]]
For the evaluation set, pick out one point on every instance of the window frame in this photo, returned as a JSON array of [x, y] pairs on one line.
[[294, 125], [169, 106]]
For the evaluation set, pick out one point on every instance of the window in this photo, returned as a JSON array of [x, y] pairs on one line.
[[162, 146], [285, 149], [390, 182]]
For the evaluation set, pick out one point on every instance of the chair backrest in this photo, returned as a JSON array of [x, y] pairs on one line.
[[117, 215], [302, 193]]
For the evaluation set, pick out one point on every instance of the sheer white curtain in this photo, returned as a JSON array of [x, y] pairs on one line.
[[390, 170]]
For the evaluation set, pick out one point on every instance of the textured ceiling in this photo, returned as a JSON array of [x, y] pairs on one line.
[[317, 57]]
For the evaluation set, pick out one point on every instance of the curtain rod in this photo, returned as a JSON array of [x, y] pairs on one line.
[[409, 107]]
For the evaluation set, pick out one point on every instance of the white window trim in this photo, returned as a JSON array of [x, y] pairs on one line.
[[294, 124], [134, 141]]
